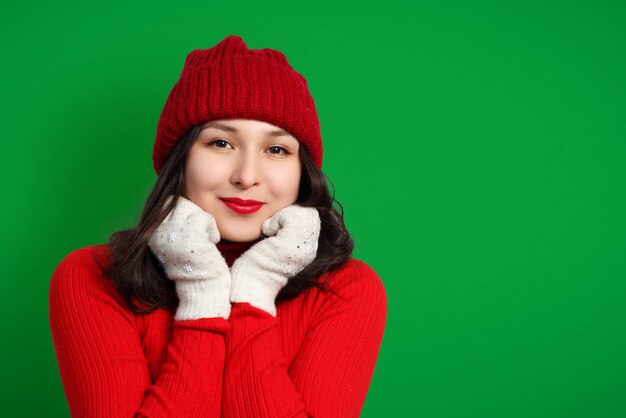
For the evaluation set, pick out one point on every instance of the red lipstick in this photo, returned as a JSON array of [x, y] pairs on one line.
[[242, 206]]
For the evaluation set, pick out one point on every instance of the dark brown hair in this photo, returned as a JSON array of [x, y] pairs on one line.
[[138, 276]]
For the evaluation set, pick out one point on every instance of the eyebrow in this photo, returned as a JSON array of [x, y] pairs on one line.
[[228, 128]]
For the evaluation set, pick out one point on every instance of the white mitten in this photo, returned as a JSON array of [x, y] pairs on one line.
[[184, 243], [258, 274]]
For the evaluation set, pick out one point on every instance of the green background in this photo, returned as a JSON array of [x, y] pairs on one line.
[[477, 147]]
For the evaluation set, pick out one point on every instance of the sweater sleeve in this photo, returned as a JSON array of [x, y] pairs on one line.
[[333, 368], [101, 362]]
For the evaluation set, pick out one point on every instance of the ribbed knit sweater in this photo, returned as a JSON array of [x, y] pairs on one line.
[[316, 358]]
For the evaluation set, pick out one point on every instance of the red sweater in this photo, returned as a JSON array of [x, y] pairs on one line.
[[316, 358]]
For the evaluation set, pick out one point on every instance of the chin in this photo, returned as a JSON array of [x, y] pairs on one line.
[[240, 236]]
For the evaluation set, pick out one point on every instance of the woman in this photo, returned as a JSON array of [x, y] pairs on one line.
[[236, 294]]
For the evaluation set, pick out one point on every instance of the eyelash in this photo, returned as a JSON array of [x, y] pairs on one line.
[[223, 141]]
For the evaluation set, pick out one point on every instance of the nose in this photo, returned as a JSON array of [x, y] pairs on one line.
[[245, 172]]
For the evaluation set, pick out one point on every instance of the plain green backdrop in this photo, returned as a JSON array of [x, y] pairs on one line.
[[477, 147]]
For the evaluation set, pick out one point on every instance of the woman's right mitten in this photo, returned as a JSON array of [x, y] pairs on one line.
[[184, 243]]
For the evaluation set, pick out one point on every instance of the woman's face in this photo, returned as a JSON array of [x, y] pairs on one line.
[[242, 159]]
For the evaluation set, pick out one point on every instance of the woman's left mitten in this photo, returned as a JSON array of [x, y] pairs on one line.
[[261, 272]]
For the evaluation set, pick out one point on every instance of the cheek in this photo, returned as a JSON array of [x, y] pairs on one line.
[[285, 184], [202, 175]]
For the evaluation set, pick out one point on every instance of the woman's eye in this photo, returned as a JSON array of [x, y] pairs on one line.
[[277, 150], [219, 143]]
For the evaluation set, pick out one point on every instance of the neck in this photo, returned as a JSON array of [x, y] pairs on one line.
[[231, 250]]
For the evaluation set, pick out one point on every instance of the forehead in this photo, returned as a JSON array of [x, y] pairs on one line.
[[249, 126]]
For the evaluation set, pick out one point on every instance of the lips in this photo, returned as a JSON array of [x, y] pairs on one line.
[[242, 206]]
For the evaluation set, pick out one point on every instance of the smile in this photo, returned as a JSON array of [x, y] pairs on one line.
[[241, 206]]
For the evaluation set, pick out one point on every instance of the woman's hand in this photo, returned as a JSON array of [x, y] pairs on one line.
[[260, 273], [184, 243]]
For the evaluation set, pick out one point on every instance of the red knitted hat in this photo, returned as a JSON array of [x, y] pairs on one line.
[[230, 80]]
